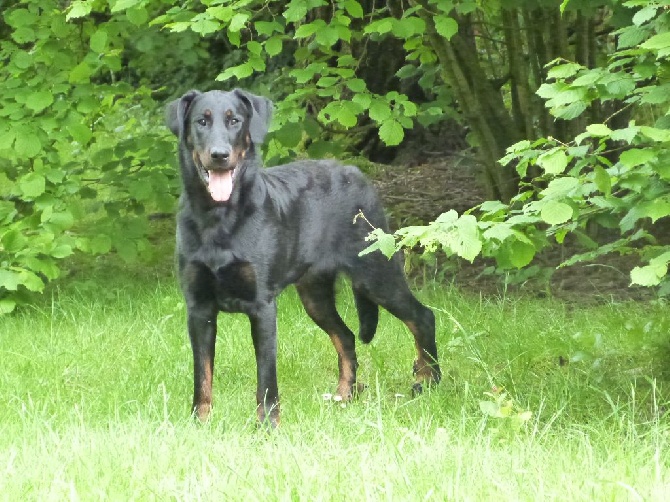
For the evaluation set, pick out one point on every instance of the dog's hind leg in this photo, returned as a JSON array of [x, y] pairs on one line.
[[317, 293], [383, 282]]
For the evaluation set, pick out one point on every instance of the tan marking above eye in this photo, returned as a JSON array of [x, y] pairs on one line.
[[229, 113], [208, 114]]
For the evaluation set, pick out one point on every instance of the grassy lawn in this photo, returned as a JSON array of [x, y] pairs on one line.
[[96, 384]]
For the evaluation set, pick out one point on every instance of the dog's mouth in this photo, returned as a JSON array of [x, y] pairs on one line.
[[220, 183]]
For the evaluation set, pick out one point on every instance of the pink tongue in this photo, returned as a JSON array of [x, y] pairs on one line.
[[220, 185]]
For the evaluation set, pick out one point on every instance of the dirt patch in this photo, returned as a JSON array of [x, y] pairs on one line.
[[417, 194]]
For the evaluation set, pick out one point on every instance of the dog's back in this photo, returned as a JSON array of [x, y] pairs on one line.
[[323, 198]]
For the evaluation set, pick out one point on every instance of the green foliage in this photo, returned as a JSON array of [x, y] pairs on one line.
[[327, 95], [613, 177], [84, 154], [75, 142], [509, 417]]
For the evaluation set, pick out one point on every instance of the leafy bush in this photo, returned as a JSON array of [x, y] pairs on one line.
[[75, 142], [612, 177]]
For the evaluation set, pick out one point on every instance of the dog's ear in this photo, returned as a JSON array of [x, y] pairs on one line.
[[261, 115], [177, 110]]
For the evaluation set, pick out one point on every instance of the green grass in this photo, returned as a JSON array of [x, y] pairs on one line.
[[96, 384]]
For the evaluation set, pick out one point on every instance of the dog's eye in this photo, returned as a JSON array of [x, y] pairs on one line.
[[233, 121], [202, 122]]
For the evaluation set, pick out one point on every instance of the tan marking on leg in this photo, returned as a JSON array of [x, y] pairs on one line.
[[423, 365], [272, 419], [203, 408], [347, 367]]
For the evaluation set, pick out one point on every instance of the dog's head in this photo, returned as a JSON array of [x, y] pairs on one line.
[[220, 129]]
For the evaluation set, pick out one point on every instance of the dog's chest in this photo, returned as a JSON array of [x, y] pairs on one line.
[[234, 275]]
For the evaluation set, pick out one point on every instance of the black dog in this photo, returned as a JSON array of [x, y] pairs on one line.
[[244, 234]]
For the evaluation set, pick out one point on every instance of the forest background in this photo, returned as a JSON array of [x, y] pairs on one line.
[[561, 105]]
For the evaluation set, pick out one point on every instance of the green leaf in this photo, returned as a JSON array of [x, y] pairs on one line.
[[468, 244], [391, 132], [32, 185], [81, 73], [31, 281], [602, 180], [645, 14], [266, 28], [39, 100], [626, 134], [379, 110], [204, 26], [650, 275], [346, 117], [598, 130], [561, 187], [380, 26], [100, 244], [7, 138], [13, 241], [520, 253], [295, 11], [555, 212], [327, 36], [240, 71], [9, 280], [61, 251], [386, 243], [62, 220], [660, 41], [445, 26], [7, 306], [273, 46], [79, 8], [571, 111], [656, 209], [563, 71], [289, 135], [120, 5], [137, 15], [381, 242], [238, 21], [554, 161], [356, 85], [98, 41], [637, 157], [22, 59], [353, 8], [631, 36], [327, 81], [654, 133], [80, 132]]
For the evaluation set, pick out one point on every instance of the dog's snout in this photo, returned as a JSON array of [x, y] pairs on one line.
[[220, 154]]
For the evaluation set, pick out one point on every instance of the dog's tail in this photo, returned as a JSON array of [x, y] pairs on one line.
[[368, 316]]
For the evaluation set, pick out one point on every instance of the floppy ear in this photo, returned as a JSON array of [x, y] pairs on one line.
[[261, 109], [177, 110]]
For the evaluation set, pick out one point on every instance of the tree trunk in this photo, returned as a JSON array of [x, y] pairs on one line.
[[480, 101]]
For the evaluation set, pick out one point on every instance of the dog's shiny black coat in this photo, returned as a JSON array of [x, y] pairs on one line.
[[237, 250]]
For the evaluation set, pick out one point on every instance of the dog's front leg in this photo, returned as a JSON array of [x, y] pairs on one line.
[[202, 332], [264, 335]]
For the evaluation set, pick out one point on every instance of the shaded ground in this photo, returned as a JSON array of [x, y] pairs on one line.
[[419, 193]]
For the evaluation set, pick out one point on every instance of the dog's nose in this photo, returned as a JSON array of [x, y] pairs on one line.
[[220, 154]]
